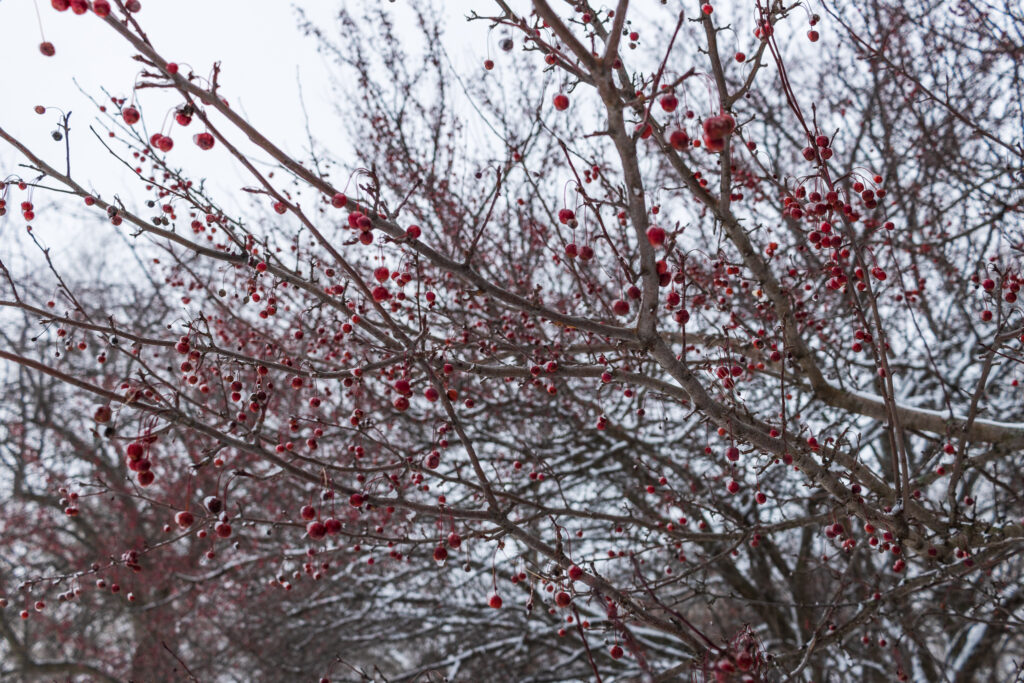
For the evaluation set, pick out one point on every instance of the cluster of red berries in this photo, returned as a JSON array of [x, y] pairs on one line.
[[69, 501], [820, 147], [100, 7], [317, 529], [357, 220], [28, 210], [136, 453], [165, 143]]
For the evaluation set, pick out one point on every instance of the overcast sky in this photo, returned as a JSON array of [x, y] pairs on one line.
[[263, 54]]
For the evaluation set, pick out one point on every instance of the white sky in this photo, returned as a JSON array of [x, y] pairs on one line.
[[262, 52]]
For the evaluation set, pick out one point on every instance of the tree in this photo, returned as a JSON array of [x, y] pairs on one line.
[[676, 342]]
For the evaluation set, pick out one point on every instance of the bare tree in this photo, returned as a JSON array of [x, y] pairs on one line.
[[676, 342]]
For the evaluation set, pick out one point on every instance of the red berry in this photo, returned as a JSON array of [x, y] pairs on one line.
[[184, 519], [495, 601], [669, 102], [719, 126], [130, 115], [561, 103], [203, 140], [615, 652], [47, 49], [316, 530], [562, 599], [165, 143], [656, 236], [679, 139]]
